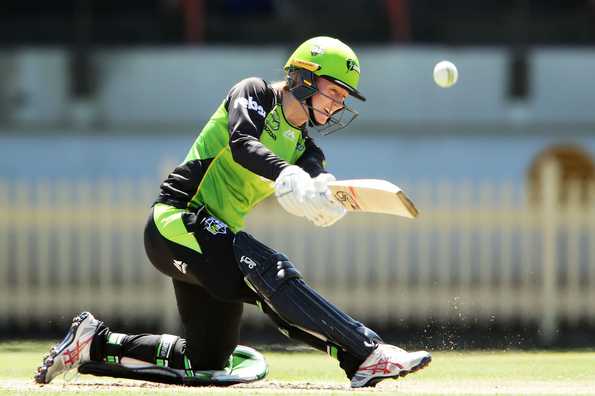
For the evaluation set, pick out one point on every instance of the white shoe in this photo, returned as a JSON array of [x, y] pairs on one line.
[[388, 361], [72, 351]]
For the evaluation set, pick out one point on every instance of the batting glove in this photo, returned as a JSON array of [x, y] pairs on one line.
[[293, 188], [327, 212]]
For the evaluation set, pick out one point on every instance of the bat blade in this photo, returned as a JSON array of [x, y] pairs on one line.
[[372, 195]]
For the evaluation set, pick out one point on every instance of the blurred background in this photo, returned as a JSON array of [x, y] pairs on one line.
[[100, 99]]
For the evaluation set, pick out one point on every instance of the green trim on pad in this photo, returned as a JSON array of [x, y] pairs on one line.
[[112, 359], [188, 367], [245, 365], [115, 338], [333, 351]]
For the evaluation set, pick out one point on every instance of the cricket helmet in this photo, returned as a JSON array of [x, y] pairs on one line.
[[328, 58]]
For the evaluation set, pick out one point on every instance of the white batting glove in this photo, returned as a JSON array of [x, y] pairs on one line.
[[293, 189], [327, 212]]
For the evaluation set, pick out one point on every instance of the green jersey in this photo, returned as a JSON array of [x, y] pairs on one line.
[[238, 154]]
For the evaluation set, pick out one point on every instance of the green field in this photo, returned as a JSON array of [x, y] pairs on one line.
[[312, 373]]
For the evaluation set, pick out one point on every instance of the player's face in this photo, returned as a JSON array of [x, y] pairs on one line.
[[329, 99]]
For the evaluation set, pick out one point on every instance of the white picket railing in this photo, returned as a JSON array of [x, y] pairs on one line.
[[477, 252]]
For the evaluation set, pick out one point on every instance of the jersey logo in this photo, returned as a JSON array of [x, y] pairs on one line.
[[214, 226], [250, 104], [289, 134], [270, 133], [271, 124], [272, 121]]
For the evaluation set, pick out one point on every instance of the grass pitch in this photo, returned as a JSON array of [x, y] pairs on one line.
[[313, 373]]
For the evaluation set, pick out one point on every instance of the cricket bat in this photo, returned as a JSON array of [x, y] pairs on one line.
[[372, 195]]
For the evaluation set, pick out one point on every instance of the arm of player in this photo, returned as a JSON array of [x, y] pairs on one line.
[[313, 160], [247, 105]]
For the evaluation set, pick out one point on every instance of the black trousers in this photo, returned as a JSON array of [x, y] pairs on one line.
[[210, 293], [209, 287]]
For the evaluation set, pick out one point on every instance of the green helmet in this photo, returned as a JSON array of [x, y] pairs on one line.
[[329, 58]]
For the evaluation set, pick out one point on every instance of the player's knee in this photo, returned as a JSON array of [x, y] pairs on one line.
[[230, 291], [264, 268]]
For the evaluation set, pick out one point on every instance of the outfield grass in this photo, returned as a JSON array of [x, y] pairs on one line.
[[312, 373]]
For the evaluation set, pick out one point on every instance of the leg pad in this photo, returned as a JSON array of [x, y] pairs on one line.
[[245, 365], [274, 278]]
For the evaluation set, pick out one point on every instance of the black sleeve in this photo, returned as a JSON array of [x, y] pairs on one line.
[[248, 103], [312, 161]]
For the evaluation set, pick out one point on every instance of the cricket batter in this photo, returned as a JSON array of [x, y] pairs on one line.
[[256, 143]]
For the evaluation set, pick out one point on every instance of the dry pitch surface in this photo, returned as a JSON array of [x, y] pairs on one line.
[[312, 373]]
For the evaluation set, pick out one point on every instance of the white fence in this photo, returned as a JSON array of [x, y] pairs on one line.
[[477, 252]]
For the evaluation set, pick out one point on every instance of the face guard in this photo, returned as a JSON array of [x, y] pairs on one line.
[[335, 121], [303, 86]]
